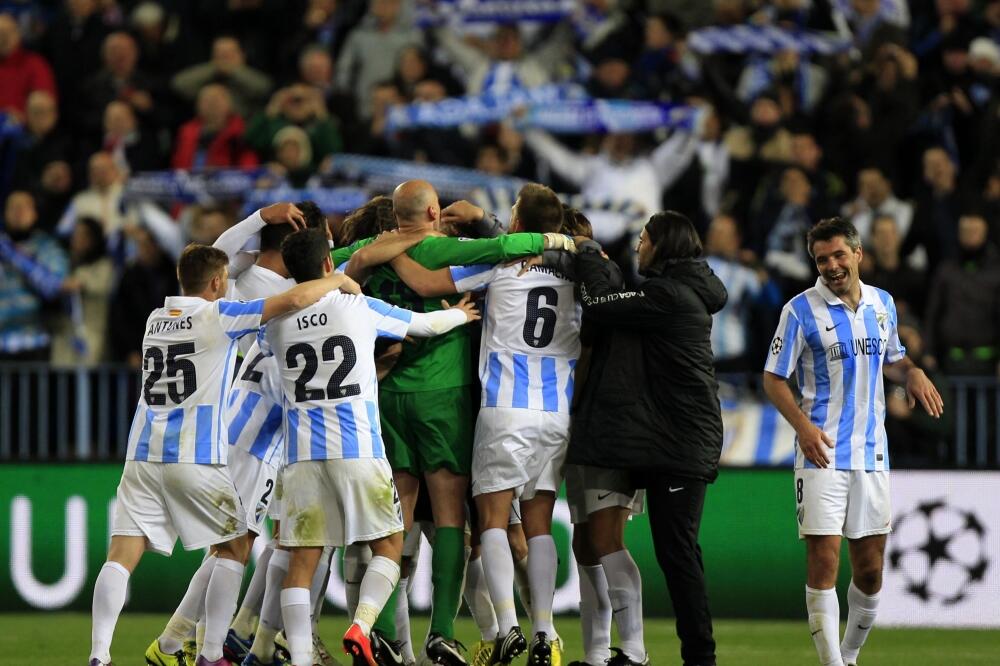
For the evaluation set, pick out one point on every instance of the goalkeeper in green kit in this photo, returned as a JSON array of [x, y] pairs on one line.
[[428, 402]]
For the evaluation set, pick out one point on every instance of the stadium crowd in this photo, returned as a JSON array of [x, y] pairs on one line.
[[900, 134]]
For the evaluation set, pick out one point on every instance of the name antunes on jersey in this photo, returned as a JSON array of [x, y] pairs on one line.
[[166, 325]]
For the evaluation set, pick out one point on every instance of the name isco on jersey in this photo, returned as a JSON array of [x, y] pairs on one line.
[[314, 319], [856, 347], [165, 325]]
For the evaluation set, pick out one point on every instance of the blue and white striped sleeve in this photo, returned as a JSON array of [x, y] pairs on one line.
[[262, 342], [786, 345], [390, 322], [472, 278], [238, 318], [894, 350]]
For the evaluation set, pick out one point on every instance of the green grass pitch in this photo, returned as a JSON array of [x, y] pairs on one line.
[[63, 639]]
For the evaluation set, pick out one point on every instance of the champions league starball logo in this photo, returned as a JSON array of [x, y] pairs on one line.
[[940, 550], [776, 345]]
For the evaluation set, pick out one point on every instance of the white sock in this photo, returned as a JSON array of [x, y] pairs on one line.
[[523, 582], [109, 598], [243, 625], [270, 609], [295, 607], [403, 633], [625, 592], [542, 565], [498, 565], [376, 588], [317, 589], [824, 624], [185, 617], [595, 614], [220, 604], [861, 611], [477, 598], [356, 558]]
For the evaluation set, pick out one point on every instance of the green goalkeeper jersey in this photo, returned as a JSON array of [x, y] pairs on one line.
[[444, 361]]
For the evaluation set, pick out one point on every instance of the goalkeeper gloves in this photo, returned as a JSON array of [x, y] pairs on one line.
[[557, 241]]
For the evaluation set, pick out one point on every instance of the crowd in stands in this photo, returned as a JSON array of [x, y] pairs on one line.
[[900, 133]]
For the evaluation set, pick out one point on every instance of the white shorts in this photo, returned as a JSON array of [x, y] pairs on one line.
[[338, 502], [162, 501], [590, 489], [850, 503], [519, 449], [255, 482]]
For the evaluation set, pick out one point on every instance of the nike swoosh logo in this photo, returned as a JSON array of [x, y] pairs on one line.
[[601, 497], [830, 328], [864, 628], [816, 632], [674, 490], [618, 610]]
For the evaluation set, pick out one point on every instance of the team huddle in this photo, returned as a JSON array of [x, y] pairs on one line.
[[360, 418]]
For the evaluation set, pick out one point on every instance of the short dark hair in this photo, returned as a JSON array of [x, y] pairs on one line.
[[197, 265], [539, 209], [303, 253], [272, 235], [371, 219], [674, 236], [315, 217], [828, 229], [575, 223]]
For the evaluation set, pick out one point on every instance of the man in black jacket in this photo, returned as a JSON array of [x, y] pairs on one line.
[[649, 408]]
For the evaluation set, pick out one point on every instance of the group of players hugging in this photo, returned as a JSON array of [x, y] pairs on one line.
[[361, 419]]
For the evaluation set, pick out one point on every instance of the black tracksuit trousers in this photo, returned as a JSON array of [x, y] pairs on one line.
[[675, 506]]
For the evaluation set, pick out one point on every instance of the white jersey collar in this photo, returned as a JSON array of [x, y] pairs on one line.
[[867, 294]]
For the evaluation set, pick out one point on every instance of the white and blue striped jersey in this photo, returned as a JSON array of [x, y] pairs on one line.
[[326, 362], [531, 336], [189, 351], [837, 357], [253, 416], [253, 283]]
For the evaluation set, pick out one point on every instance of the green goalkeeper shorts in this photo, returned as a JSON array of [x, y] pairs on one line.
[[429, 430]]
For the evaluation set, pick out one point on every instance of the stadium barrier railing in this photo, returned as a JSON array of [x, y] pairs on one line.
[[84, 414]]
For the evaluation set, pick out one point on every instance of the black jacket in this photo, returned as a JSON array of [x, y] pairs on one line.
[[649, 402]]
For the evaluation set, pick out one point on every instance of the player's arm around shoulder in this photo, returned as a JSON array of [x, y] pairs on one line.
[[606, 303], [386, 247], [425, 282], [307, 293]]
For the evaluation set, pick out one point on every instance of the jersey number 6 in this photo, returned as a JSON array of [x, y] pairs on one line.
[[540, 336]]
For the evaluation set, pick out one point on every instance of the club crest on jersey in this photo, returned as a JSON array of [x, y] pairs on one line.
[[882, 318]]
